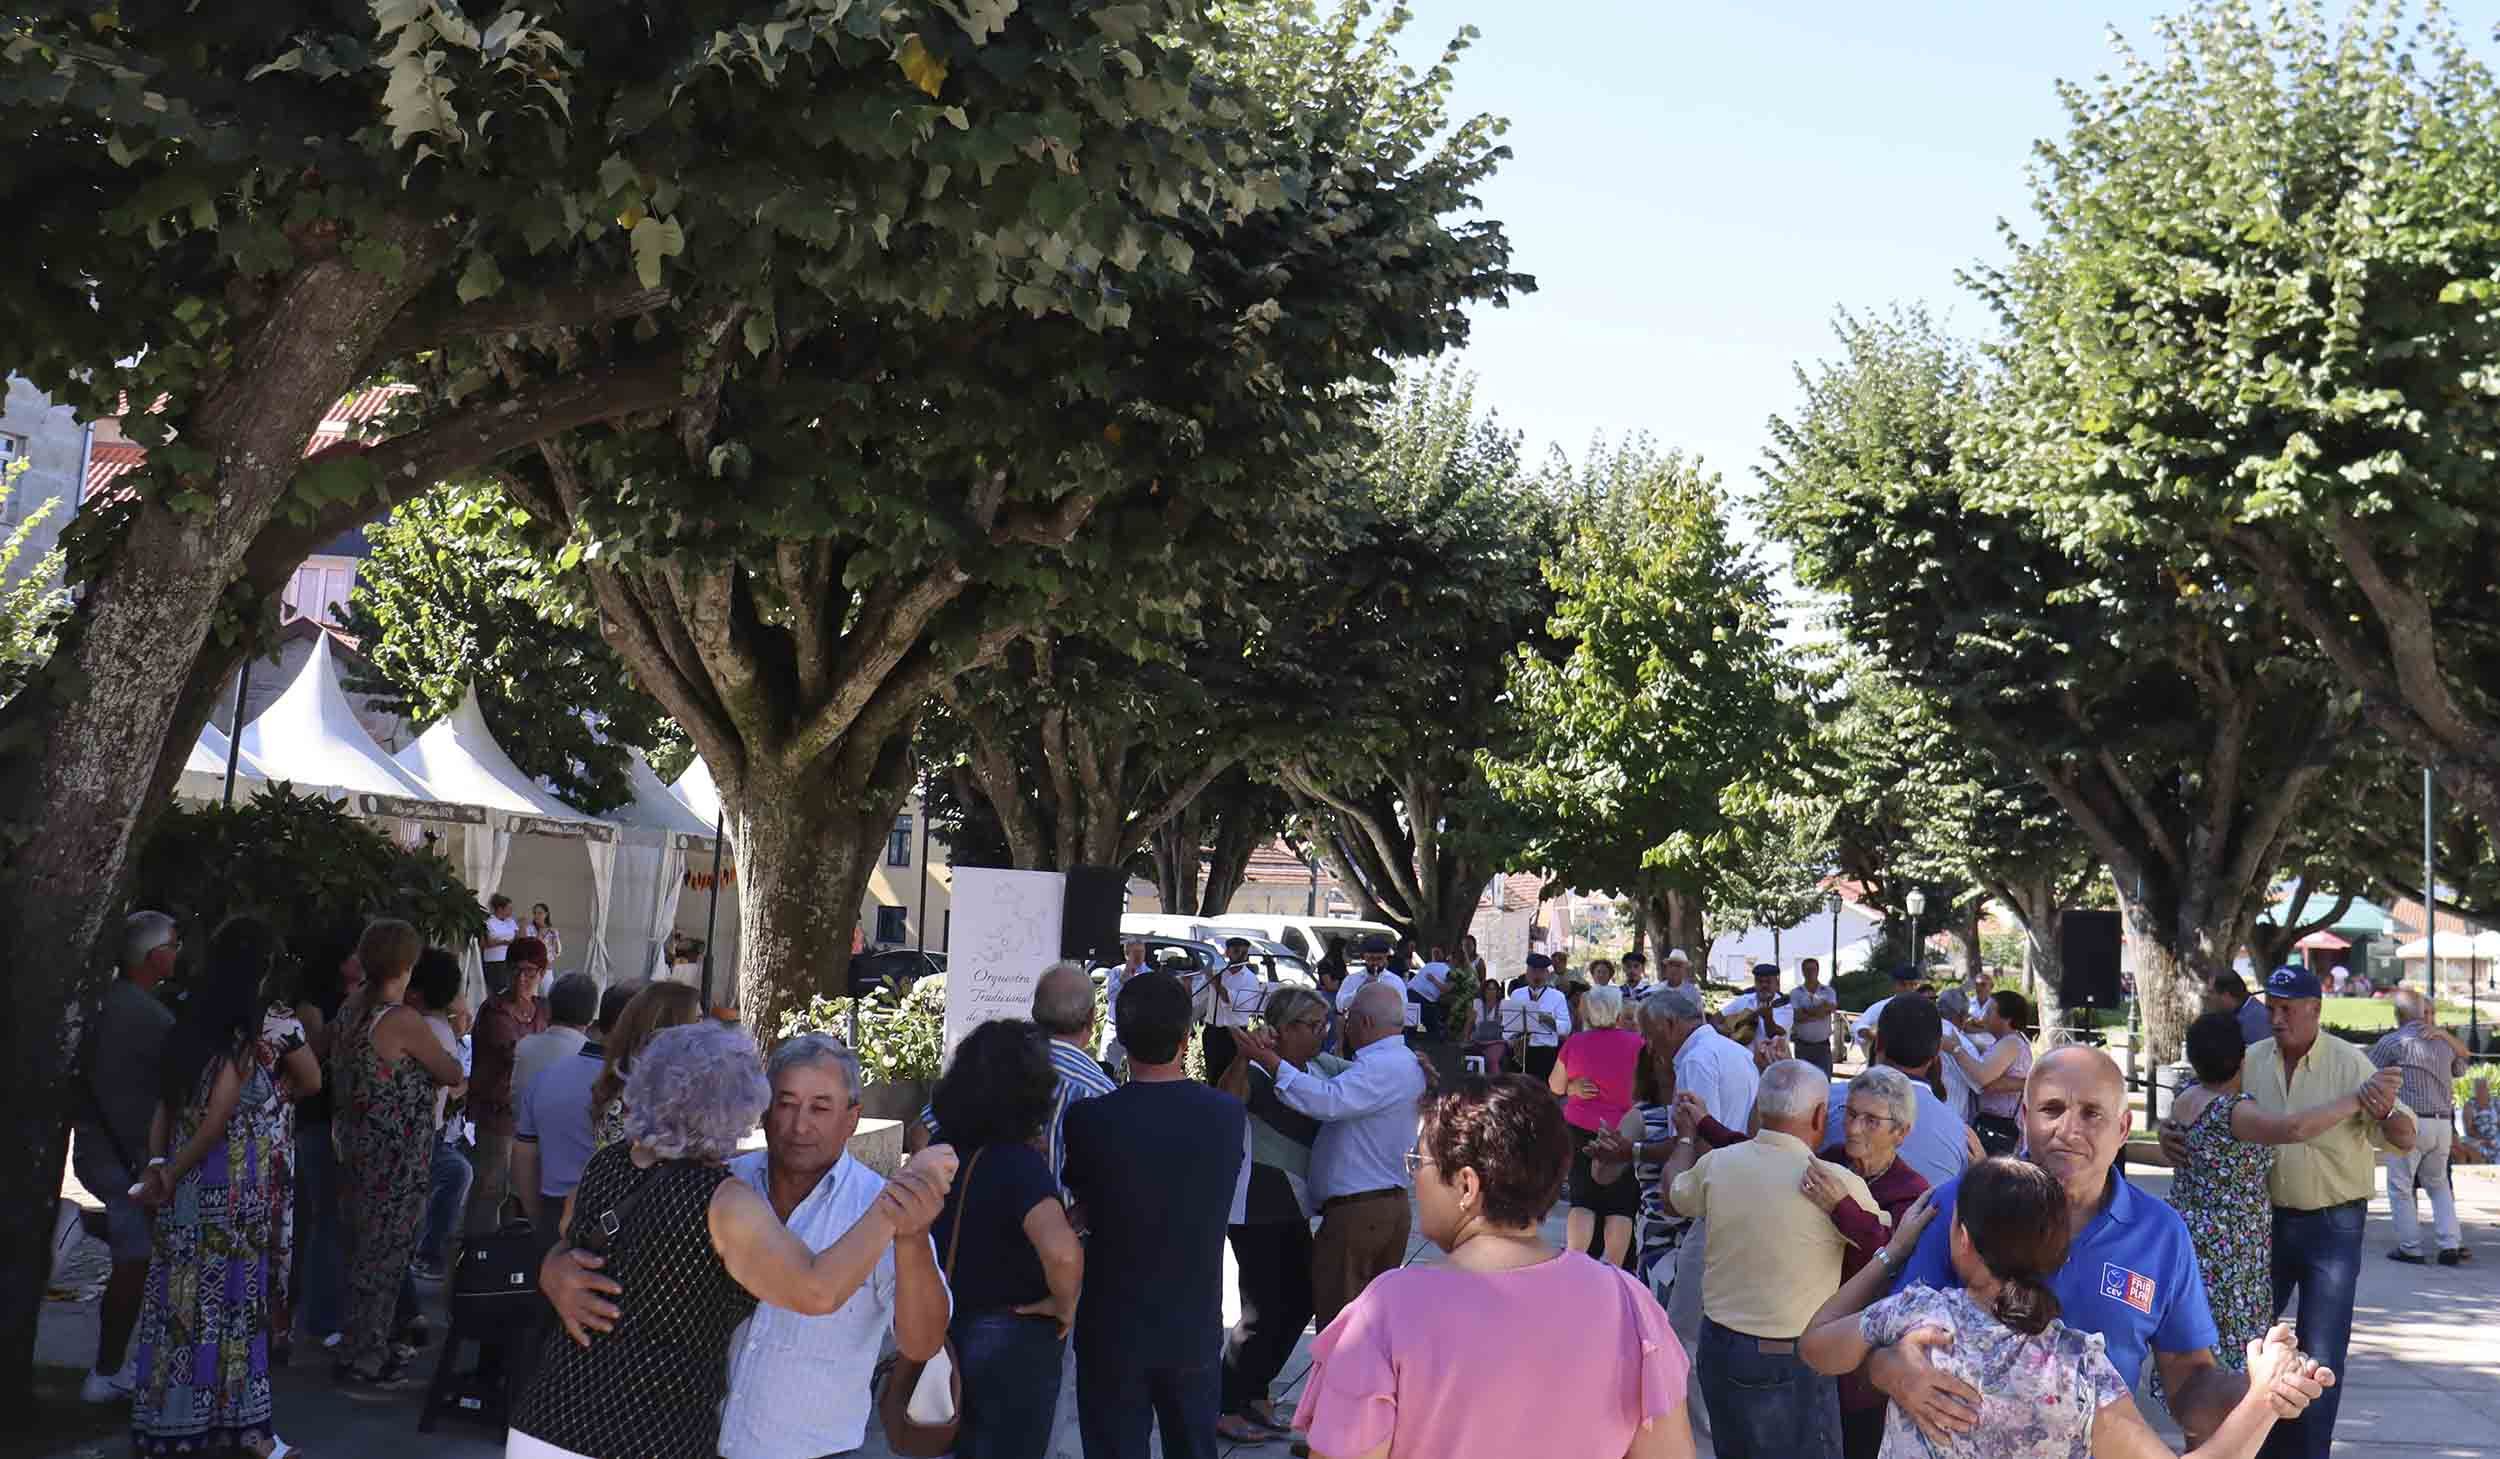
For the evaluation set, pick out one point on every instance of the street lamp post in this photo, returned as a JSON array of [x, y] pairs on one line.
[[1916, 903]]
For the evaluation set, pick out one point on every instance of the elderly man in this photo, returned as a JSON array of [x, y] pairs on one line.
[[1811, 1008], [1761, 1019], [1676, 969], [1063, 1004], [2430, 1060], [1359, 1174], [1132, 964], [552, 1134], [2320, 1189], [114, 1103], [1772, 1257], [1539, 1013], [799, 1386], [2130, 1273], [2228, 993], [1909, 1037]]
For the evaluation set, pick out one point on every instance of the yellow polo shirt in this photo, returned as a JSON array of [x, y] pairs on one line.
[[2339, 1165], [1772, 1256]]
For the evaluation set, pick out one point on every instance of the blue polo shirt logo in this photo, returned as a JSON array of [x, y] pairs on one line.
[[2133, 1288]]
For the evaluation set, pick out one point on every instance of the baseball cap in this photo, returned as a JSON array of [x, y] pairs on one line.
[[2292, 982], [1539, 960]]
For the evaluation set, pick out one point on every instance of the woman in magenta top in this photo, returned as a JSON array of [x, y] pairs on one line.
[[1587, 1367], [1595, 1071]]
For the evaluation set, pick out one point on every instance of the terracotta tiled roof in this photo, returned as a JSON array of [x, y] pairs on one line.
[[1275, 864], [111, 460]]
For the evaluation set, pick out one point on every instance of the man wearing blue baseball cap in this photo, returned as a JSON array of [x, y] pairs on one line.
[[2320, 1189]]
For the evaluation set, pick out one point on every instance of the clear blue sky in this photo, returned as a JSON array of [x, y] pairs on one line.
[[1699, 183]]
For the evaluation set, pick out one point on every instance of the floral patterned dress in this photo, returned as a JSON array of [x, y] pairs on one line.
[[202, 1364], [2037, 1394], [2221, 1194], [385, 1130], [281, 1034]]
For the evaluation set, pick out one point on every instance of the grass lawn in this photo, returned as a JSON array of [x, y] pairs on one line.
[[2380, 1013]]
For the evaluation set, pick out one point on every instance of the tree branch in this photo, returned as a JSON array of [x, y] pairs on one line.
[[516, 313]]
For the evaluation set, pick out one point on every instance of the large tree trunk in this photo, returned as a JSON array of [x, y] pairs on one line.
[[807, 843]]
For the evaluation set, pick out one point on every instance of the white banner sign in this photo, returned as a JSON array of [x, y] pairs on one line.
[[1006, 930]]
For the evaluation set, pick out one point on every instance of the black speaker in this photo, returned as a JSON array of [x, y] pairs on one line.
[[2087, 949], [1089, 915]]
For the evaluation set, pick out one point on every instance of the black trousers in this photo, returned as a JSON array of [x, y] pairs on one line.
[[1275, 1262], [1540, 1061], [1219, 1047]]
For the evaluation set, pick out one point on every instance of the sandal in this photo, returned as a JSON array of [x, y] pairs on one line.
[[1240, 1429]]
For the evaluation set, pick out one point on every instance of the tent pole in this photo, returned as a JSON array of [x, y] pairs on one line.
[[711, 910], [2430, 893], [234, 743]]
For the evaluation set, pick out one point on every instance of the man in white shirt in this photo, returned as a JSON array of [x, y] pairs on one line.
[[1424, 991], [1538, 1012], [1715, 1070], [1907, 979], [1375, 972], [1677, 970], [799, 1386], [1239, 995], [496, 944], [1749, 1016], [1359, 1176]]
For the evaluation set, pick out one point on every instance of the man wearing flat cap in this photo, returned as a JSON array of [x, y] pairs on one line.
[[1239, 995], [1760, 1020], [1538, 1012], [1375, 951]]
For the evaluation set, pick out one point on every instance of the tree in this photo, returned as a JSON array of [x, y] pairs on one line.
[[1201, 857], [2179, 723], [1662, 718], [863, 504], [1403, 643], [544, 221], [2260, 322], [453, 597]]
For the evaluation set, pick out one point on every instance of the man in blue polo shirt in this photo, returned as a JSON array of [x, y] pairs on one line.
[[2130, 1272]]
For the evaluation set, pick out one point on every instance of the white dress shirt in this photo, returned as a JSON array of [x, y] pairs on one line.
[[1783, 1017], [1431, 981], [798, 1386], [1357, 982], [1239, 995], [1864, 1028], [1368, 1116], [1521, 1010], [1721, 1071]]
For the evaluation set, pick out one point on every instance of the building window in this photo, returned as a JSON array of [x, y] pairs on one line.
[[893, 925], [11, 448], [898, 843]]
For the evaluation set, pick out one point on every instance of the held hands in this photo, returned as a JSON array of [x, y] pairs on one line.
[[1259, 1044], [1689, 1113], [911, 1202], [155, 1187], [2378, 1097], [2283, 1377]]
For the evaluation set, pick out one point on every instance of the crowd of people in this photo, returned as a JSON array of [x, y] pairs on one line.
[[1939, 1254]]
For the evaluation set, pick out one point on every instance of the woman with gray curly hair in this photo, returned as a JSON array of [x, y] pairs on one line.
[[660, 1214]]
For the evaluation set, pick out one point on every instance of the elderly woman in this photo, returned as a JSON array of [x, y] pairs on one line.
[[2482, 1124], [697, 1248], [1011, 1259], [1271, 1232], [1875, 1120], [1953, 1007], [1595, 1073], [1586, 1367]]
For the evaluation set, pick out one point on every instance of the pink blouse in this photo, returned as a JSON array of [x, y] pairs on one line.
[[1607, 1057], [1586, 1360]]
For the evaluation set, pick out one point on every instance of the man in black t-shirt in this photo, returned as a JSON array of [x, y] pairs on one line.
[[1158, 1166]]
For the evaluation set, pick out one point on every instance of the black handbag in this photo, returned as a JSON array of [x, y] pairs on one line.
[[496, 1276]]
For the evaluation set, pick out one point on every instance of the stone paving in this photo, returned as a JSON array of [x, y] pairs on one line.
[[2423, 1381]]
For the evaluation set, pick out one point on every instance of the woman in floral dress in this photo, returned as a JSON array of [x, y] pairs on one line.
[[2220, 1189], [283, 1055], [203, 1342]]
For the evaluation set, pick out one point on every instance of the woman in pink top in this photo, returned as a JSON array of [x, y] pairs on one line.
[[1587, 1367], [1595, 1071]]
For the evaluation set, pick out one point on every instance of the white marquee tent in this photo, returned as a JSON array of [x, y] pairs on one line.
[[310, 735], [661, 837], [523, 848], [699, 794], [204, 771]]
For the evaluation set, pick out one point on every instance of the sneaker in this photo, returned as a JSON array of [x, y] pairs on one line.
[[333, 1340], [2455, 1255], [100, 1388], [2409, 1258]]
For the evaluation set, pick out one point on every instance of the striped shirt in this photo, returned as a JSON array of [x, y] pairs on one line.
[[1079, 1078], [2430, 1068]]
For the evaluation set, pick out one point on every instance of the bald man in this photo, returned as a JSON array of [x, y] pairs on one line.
[[1367, 1114], [2130, 1273]]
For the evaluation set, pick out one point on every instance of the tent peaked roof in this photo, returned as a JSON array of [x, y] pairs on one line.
[[310, 735], [701, 796], [208, 757], [654, 807], [460, 759]]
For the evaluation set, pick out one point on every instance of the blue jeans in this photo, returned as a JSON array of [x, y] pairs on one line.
[[450, 1196], [2318, 1254], [320, 1234], [1763, 1405], [1121, 1400], [1010, 1368]]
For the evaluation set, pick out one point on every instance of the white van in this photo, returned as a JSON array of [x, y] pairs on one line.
[[1308, 936]]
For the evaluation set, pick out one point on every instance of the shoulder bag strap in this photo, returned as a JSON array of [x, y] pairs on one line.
[[963, 1207]]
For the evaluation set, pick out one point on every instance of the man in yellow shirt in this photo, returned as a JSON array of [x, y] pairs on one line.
[[1771, 1258], [2320, 1189]]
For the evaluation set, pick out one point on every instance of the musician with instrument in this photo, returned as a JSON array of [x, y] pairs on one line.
[[1748, 1017]]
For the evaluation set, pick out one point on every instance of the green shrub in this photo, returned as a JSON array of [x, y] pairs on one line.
[[901, 1041], [301, 862], [1859, 991]]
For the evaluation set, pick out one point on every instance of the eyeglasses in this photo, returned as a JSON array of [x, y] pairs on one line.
[[1853, 1118], [1416, 1160]]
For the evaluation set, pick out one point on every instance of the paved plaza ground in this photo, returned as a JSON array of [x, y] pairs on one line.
[[2423, 1382]]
